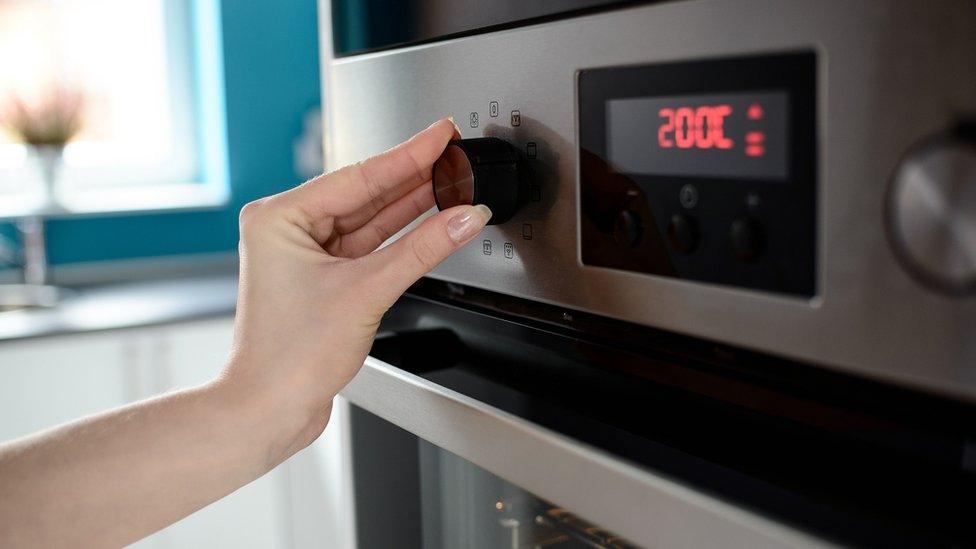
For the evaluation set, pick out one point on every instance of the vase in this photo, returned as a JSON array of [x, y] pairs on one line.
[[48, 159]]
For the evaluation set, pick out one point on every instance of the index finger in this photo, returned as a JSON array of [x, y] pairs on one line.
[[381, 179]]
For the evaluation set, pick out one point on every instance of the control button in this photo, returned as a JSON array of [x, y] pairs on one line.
[[747, 239], [516, 118], [486, 247], [753, 201], [483, 170], [493, 109], [473, 119], [527, 231], [531, 150], [628, 228], [688, 196], [509, 250], [931, 212], [683, 233]]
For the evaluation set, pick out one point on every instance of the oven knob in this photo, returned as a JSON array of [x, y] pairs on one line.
[[931, 213], [683, 233], [747, 239], [628, 228], [483, 170]]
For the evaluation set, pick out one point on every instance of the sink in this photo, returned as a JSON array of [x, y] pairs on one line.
[[31, 296]]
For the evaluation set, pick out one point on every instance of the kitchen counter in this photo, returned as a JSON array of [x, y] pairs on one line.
[[126, 305]]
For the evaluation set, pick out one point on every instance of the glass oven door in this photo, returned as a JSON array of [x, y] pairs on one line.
[[480, 420], [411, 493]]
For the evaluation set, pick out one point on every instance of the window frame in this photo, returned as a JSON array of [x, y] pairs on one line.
[[196, 91]]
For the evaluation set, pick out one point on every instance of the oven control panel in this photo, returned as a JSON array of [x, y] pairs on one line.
[[702, 170], [778, 175]]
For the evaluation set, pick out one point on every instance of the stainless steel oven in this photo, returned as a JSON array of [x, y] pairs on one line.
[[734, 305]]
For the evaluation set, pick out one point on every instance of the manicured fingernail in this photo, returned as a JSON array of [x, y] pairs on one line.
[[468, 223], [456, 127]]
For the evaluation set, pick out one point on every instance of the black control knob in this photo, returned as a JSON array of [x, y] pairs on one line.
[[683, 233], [483, 170], [747, 239]]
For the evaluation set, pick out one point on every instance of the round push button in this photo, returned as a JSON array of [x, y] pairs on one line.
[[747, 239], [628, 228], [683, 233]]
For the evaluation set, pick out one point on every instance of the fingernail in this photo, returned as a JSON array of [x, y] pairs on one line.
[[468, 223], [456, 127]]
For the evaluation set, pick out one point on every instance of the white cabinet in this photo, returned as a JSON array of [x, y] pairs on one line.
[[51, 380], [48, 381]]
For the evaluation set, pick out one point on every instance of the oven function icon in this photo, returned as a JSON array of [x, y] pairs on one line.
[[493, 109], [473, 120], [486, 247], [516, 118], [509, 250], [688, 196]]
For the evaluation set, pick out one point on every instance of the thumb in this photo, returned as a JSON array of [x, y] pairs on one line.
[[416, 253]]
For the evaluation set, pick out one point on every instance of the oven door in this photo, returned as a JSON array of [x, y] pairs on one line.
[[481, 420], [434, 468]]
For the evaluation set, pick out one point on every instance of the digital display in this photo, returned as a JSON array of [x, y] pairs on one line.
[[734, 135]]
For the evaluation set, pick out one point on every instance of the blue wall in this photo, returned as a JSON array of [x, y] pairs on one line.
[[271, 70]]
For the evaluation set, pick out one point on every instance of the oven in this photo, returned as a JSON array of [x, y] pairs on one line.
[[733, 303]]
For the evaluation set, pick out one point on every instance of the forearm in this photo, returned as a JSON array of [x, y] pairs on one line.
[[116, 477]]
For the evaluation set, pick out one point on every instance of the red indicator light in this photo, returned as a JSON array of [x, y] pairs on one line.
[[755, 150], [755, 138], [755, 112]]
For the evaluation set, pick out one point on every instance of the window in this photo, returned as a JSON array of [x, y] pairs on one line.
[[143, 81]]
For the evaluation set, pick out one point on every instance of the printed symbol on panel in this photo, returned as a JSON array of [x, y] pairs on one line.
[[527, 231], [516, 118], [535, 193], [493, 109], [688, 196], [509, 250], [486, 247], [753, 201], [531, 150], [473, 119]]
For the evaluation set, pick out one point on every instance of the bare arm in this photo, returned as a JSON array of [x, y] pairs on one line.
[[313, 289]]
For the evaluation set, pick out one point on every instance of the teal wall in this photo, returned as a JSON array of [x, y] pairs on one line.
[[271, 71]]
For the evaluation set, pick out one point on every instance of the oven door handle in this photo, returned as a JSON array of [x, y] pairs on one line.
[[636, 503]]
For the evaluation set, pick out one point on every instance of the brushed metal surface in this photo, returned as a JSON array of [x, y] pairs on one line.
[[646, 508], [889, 73], [933, 215]]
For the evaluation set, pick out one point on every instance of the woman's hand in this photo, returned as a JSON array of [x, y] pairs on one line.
[[313, 289], [313, 285]]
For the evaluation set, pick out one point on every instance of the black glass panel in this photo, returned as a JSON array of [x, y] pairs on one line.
[[411, 493], [366, 25], [702, 170]]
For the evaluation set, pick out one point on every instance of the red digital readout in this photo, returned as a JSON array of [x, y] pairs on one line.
[[703, 127]]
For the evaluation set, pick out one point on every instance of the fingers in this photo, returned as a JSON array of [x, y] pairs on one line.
[[386, 223], [377, 181], [412, 256]]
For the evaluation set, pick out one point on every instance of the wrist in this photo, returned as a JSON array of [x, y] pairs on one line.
[[272, 415]]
